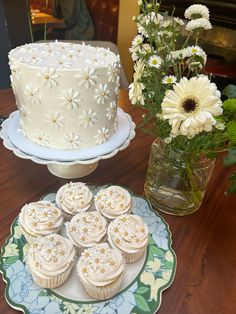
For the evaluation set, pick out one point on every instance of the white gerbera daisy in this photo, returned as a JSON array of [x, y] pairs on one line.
[[169, 79], [191, 106], [49, 77], [55, 120], [198, 25], [70, 98], [102, 94], [196, 11], [155, 61], [41, 138], [87, 77], [88, 118], [72, 140], [32, 93], [111, 110]]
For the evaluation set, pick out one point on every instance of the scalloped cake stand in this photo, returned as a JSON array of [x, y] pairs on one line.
[[76, 167]]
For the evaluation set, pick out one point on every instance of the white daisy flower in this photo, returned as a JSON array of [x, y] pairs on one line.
[[146, 49], [198, 51], [220, 126], [198, 25], [32, 93], [138, 70], [196, 11], [15, 70], [111, 110], [191, 106], [25, 114], [35, 59], [136, 93], [102, 94], [179, 21], [70, 98], [72, 140], [64, 62], [102, 135], [155, 61], [154, 17], [41, 138], [51, 52], [87, 77], [49, 77], [112, 72], [169, 79], [137, 41], [88, 118], [55, 120], [166, 23]]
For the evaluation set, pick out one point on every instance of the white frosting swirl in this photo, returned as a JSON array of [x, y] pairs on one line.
[[86, 229], [50, 256], [128, 233], [100, 265], [40, 218], [113, 201], [74, 197]]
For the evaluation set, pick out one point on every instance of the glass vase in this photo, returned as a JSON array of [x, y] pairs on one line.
[[176, 182]]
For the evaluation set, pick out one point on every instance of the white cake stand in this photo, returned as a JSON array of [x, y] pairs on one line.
[[66, 169]]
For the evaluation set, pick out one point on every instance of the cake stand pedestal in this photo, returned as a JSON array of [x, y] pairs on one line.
[[72, 172], [74, 168]]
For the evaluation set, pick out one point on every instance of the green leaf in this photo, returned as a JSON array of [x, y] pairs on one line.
[[142, 290], [141, 303], [156, 251], [168, 265], [230, 91], [230, 159], [11, 260], [43, 293], [232, 187], [151, 241]]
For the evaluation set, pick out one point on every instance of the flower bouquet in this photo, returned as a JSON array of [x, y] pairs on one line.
[[182, 107]]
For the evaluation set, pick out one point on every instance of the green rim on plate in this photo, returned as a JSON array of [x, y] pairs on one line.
[[142, 295]]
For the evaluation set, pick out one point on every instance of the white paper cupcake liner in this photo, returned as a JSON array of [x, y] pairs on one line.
[[105, 292], [51, 282]]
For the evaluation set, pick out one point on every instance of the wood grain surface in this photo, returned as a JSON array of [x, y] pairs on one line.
[[205, 242]]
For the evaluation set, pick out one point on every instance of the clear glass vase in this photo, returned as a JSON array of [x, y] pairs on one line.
[[175, 182]]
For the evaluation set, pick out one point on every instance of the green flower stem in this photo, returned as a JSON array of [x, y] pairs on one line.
[[196, 195]]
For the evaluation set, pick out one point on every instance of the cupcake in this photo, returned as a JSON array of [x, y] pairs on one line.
[[86, 229], [39, 219], [73, 198], [129, 234], [113, 202], [50, 260], [101, 270]]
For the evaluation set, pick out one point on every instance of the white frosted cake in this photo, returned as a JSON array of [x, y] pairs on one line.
[[66, 93]]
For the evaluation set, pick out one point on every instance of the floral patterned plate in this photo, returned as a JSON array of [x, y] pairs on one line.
[[143, 288]]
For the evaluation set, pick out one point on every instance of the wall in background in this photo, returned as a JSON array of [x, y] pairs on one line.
[[126, 31], [14, 31]]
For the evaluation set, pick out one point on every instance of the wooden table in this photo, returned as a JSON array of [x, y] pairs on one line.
[[205, 242]]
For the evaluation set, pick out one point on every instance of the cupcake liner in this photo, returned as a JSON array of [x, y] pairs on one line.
[[129, 257], [51, 282], [105, 292]]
